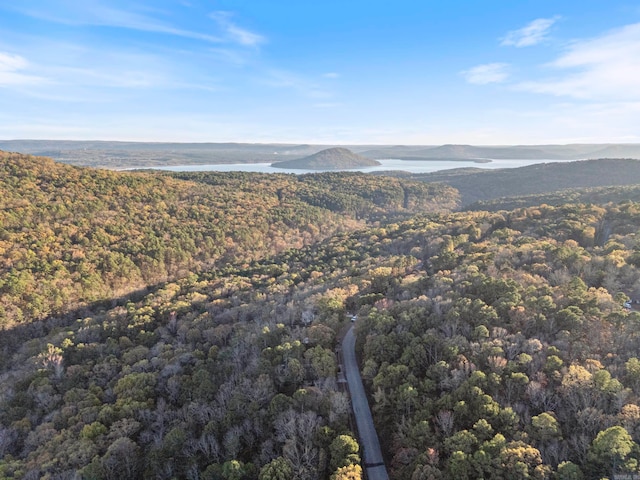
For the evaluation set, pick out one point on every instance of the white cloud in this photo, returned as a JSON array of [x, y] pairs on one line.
[[235, 33], [532, 34], [487, 73], [244, 37], [10, 71], [9, 62], [602, 68], [68, 72], [331, 75]]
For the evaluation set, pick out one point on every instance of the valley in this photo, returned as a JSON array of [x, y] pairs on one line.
[[178, 324]]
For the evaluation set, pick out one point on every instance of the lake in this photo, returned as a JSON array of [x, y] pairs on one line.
[[412, 166]]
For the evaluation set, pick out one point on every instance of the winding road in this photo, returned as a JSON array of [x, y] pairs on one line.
[[372, 456]]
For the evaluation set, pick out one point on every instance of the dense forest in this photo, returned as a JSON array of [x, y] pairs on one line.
[[70, 236], [494, 344]]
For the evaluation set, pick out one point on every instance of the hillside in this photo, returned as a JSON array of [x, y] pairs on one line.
[[492, 344], [481, 185], [617, 151], [185, 325], [70, 236], [329, 159], [594, 195]]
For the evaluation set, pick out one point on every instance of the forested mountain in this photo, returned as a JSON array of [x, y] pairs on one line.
[[71, 235], [329, 159], [469, 152], [481, 185], [493, 344]]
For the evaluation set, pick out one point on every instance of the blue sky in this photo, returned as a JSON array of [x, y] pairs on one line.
[[378, 72]]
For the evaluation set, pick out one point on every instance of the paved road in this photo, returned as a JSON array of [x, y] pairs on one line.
[[372, 456]]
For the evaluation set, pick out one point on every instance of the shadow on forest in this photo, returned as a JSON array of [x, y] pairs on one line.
[[13, 337]]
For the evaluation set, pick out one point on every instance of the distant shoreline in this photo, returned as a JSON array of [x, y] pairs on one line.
[[386, 165], [445, 159], [163, 166], [135, 155]]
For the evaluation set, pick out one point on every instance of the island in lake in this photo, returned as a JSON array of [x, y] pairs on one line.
[[329, 159]]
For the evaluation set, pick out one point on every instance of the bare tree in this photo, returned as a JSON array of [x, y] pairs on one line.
[[296, 431]]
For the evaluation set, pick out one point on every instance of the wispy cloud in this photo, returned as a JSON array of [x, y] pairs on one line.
[[97, 13], [606, 67], [113, 79], [229, 55], [487, 73], [532, 34], [235, 33], [72, 72], [327, 105], [331, 75], [10, 62], [11, 67], [300, 84], [66, 67], [71, 66]]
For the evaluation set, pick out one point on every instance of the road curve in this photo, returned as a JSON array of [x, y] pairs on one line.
[[373, 462]]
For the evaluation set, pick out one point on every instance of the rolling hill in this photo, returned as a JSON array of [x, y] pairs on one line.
[[492, 343], [329, 159], [479, 185], [70, 236]]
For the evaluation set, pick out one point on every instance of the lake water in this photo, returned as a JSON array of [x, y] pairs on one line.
[[412, 166]]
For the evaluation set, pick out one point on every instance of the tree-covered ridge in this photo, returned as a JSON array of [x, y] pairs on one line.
[[356, 194], [494, 345], [596, 195], [230, 375], [71, 235], [511, 355], [482, 185]]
